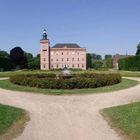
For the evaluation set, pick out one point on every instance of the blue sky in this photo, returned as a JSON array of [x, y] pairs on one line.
[[102, 26]]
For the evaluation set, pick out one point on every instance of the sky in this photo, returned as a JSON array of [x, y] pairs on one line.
[[102, 26]]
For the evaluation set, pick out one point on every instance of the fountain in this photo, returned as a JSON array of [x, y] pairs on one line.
[[66, 73]]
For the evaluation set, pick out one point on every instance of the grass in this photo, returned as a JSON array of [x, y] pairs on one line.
[[130, 73], [8, 115], [123, 73], [126, 83], [11, 73], [125, 119]]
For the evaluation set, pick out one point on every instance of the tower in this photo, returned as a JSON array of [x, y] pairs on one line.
[[44, 52]]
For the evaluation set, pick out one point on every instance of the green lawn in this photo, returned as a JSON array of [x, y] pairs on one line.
[[130, 73], [8, 115], [11, 73], [126, 83], [125, 119], [123, 73]]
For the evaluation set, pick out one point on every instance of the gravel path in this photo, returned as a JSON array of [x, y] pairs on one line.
[[74, 117]]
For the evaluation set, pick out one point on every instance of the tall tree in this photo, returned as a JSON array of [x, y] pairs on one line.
[[138, 49], [18, 58], [89, 60]]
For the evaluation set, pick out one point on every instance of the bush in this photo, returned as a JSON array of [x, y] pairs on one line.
[[130, 63], [80, 80]]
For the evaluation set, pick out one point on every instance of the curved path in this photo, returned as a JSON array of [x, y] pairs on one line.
[[74, 117]]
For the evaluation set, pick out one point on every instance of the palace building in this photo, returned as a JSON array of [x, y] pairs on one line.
[[61, 55]]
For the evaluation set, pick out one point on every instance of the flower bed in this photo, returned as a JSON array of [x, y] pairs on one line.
[[79, 80]]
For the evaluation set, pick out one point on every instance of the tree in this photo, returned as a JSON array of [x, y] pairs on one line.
[[34, 63], [5, 62], [29, 58], [98, 64], [138, 49], [17, 56], [37, 61], [108, 61], [89, 61], [96, 56], [4, 54], [108, 56]]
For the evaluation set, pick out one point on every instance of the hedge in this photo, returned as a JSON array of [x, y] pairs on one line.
[[51, 81], [130, 63]]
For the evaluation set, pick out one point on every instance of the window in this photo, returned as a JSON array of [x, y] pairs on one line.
[[52, 66], [62, 59], [78, 65], [72, 59], [57, 65], [67, 59], [78, 59], [52, 60], [82, 59], [82, 65], [44, 66], [62, 53], [68, 66], [56, 59], [73, 65]]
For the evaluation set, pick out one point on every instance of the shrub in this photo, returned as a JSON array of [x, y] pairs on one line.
[[130, 63], [80, 80]]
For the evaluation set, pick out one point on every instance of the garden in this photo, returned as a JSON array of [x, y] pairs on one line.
[[52, 82]]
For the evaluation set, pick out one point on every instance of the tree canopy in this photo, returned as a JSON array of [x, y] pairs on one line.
[[138, 49], [17, 56], [4, 54]]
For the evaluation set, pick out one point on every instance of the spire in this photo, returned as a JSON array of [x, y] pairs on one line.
[[44, 34]]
